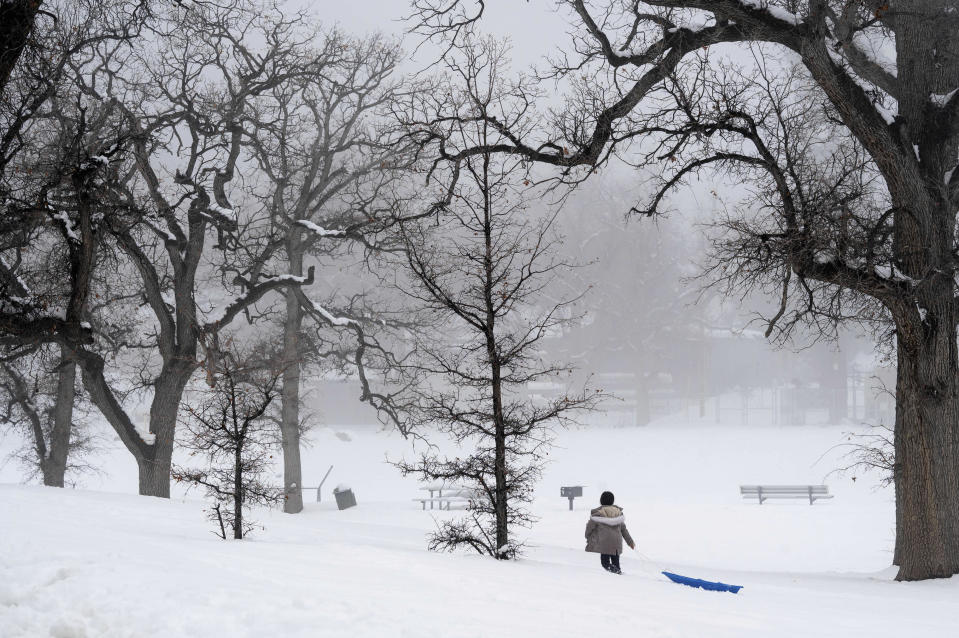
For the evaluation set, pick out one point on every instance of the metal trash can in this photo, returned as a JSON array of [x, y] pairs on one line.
[[344, 496]]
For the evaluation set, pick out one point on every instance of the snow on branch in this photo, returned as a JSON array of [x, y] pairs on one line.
[[942, 100], [254, 293], [68, 227], [777, 12], [892, 273], [228, 213], [319, 230], [334, 320], [865, 85], [888, 273], [13, 278], [148, 438]]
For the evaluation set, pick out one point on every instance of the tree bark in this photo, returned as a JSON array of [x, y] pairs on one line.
[[238, 491], [54, 466], [154, 476], [499, 466], [290, 394], [926, 471], [154, 468], [290, 408], [500, 506]]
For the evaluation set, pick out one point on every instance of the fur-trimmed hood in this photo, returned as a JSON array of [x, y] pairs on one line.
[[607, 515]]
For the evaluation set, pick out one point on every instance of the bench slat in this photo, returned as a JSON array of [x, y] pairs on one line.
[[765, 492], [770, 488], [767, 496], [784, 493]]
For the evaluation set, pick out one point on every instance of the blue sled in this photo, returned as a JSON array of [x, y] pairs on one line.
[[705, 584]]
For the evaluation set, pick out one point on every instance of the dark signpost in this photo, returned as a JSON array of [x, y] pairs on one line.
[[571, 492]]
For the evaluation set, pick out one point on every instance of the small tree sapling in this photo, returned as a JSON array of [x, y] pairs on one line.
[[486, 270], [229, 427]]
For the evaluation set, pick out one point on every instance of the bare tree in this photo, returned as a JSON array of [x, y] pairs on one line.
[[197, 96], [60, 272], [46, 149], [228, 428], [329, 164], [485, 272], [887, 73], [58, 161], [39, 397]]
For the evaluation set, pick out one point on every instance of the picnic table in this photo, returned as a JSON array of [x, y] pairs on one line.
[[453, 494]]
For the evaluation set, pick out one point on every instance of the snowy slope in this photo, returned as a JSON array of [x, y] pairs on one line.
[[84, 563]]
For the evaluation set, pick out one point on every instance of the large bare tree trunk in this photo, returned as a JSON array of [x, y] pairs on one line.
[[927, 456], [290, 408], [927, 397], [154, 476], [153, 458], [154, 468], [238, 491], [501, 505], [290, 394], [927, 386], [499, 468], [54, 467]]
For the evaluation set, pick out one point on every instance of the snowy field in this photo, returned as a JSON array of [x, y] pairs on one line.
[[99, 562]]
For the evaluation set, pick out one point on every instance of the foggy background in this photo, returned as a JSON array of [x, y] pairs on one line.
[[653, 333]]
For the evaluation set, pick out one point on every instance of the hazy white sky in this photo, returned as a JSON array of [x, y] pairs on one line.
[[534, 27]]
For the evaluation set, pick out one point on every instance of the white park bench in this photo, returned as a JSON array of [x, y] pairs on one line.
[[766, 492], [447, 495]]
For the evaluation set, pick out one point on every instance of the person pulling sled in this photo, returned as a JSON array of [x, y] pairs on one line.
[[606, 531]]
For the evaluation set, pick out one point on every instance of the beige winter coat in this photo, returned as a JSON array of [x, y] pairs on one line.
[[606, 530]]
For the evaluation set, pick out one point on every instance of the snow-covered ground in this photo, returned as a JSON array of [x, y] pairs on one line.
[[100, 563]]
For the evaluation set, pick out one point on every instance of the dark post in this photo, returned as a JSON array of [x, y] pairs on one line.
[[571, 492]]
